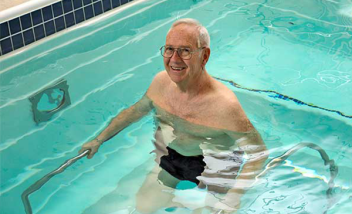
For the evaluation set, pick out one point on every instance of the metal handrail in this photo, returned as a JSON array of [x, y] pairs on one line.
[[327, 161], [271, 164], [279, 159], [37, 185]]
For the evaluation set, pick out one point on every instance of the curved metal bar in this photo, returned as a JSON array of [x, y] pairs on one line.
[[327, 161], [271, 164], [37, 185]]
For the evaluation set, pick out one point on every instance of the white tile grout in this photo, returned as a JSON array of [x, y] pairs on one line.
[[53, 19]]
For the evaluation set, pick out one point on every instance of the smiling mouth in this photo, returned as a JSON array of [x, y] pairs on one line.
[[177, 69]]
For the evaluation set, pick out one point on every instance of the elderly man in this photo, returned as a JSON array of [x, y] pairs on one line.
[[202, 131]]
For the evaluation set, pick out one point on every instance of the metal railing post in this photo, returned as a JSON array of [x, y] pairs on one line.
[[37, 185]]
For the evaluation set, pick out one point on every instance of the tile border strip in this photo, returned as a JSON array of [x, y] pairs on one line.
[[50, 19], [277, 95]]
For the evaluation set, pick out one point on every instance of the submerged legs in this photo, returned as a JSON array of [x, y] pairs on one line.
[[153, 195]]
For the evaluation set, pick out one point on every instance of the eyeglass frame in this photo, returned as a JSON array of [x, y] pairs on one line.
[[178, 52]]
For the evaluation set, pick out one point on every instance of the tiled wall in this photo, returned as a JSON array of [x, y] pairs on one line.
[[33, 26]]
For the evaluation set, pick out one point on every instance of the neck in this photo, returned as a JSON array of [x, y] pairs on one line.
[[195, 85]]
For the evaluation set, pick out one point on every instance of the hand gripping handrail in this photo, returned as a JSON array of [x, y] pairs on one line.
[[271, 164], [37, 185]]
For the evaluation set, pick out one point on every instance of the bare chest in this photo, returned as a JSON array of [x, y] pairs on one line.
[[186, 137], [186, 123], [200, 110]]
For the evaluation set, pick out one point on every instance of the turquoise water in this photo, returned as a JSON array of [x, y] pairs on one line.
[[297, 48]]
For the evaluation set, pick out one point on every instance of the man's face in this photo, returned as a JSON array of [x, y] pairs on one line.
[[183, 36]]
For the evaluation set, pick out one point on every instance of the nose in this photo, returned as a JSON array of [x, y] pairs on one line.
[[176, 56]]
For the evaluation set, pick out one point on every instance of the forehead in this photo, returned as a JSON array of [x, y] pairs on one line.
[[182, 35]]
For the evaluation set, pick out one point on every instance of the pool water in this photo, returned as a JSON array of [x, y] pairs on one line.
[[296, 48]]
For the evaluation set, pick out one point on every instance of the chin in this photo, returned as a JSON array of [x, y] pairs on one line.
[[176, 78]]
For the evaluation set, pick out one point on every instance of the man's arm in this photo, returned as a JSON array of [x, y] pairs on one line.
[[118, 123]]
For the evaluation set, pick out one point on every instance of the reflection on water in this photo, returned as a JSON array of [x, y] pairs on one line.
[[345, 8], [208, 157], [286, 188], [194, 167], [219, 151], [299, 47]]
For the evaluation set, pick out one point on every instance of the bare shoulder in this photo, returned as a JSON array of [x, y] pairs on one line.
[[232, 115], [159, 82], [160, 78]]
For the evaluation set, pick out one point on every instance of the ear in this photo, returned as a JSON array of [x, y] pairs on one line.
[[206, 55]]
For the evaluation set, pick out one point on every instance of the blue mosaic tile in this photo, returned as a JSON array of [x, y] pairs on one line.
[[57, 8], [88, 11], [115, 3], [17, 41], [124, 1], [69, 19], [26, 21], [15, 26], [77, 4], [4, 30], [37, 17], [28, 36], [106, 5], [68, 7], [86, 2], [48, 20], [39, 32], [60, 24], [47, 13], [98, 8], [6, 46], [49, 28], [79, 15]]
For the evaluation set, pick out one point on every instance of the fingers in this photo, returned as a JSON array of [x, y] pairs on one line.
[[91, 153], [84, 148], [92, 149], [81, 150]]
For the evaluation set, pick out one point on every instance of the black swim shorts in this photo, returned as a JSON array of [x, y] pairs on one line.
[[183, 167]]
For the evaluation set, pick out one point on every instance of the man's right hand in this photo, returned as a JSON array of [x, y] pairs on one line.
[[93, 146], [118, 123]]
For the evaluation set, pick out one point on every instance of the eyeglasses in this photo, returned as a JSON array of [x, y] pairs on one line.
[[184, 53]]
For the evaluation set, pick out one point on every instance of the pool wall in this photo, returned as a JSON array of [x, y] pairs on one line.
[[108, 66], [99, 75], [35, 20]]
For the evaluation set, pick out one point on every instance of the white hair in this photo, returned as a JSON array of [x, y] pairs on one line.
[[203, 35]]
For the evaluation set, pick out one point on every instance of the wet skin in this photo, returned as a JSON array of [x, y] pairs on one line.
[[195, 115], [191, 139]]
